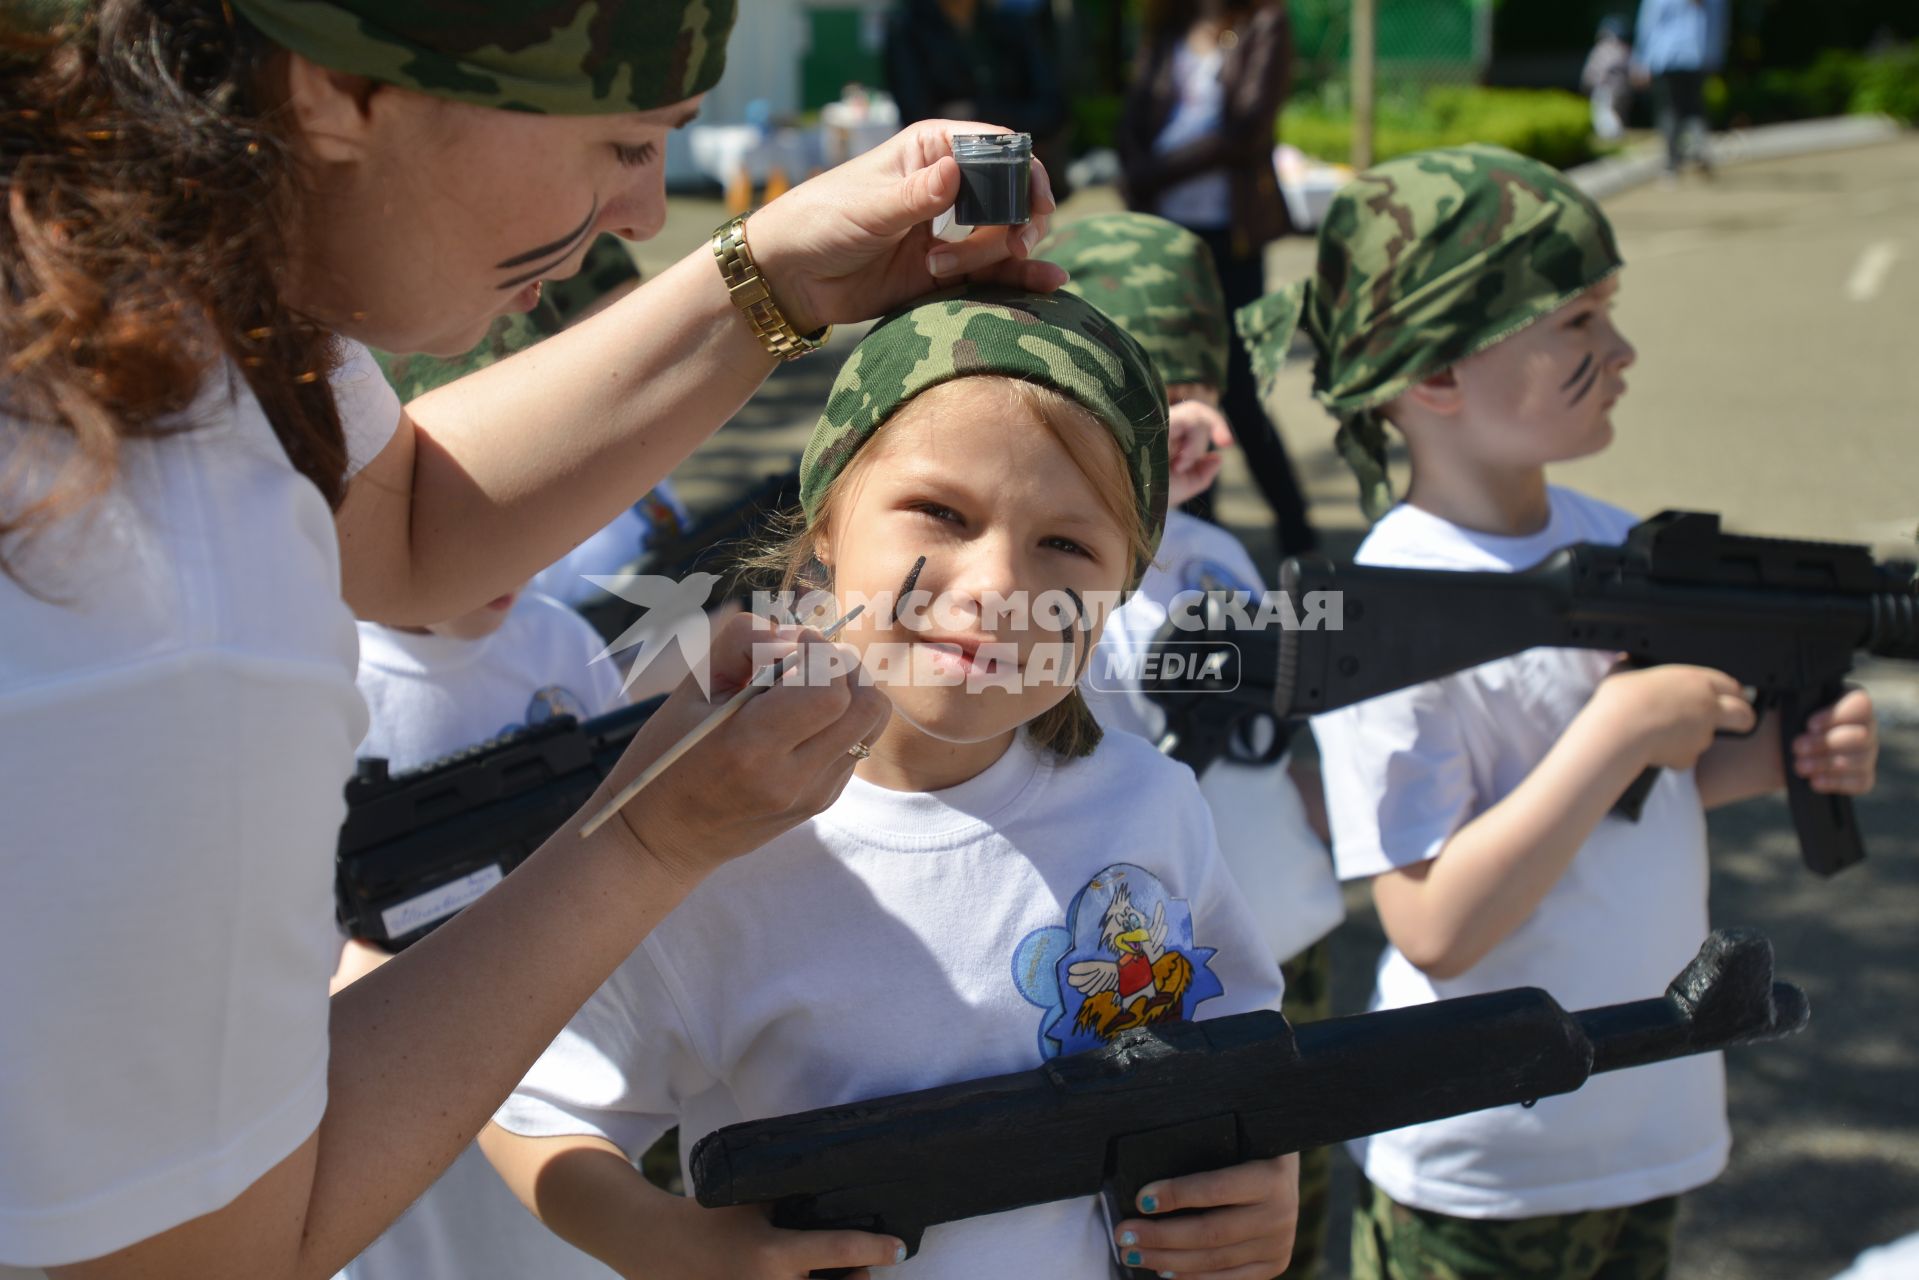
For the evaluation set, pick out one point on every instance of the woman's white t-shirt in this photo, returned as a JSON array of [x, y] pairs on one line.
[[904, 940], [1403, 772], [179, 718]]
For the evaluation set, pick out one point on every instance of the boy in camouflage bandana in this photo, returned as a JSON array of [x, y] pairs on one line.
[[1156, 279], [1465, 296]]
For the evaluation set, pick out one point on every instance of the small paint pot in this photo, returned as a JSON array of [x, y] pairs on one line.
[[995, 173]]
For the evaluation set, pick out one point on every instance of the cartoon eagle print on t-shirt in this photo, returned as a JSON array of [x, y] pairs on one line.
[[1125, 958]]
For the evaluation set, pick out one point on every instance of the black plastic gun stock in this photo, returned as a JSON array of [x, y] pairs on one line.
[[418, 846], [1183, 1098]]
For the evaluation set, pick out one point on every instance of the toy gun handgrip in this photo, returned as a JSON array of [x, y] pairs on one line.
[[1829, 837], [1198, 1146], [803, 1215]]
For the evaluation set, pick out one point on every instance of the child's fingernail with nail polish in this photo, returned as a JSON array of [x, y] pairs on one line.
[[899, 1253], [1149, 1204], [1128, 1237], [1167, 1275], [1132, 1257]]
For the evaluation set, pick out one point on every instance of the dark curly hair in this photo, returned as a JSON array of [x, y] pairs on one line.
[[148, 200]]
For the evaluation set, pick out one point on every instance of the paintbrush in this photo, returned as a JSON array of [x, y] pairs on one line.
[[759, 684]]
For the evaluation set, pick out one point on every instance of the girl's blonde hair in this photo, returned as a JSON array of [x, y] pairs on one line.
[[789, 560]]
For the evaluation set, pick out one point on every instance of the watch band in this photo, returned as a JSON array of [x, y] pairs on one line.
[[750, 294]]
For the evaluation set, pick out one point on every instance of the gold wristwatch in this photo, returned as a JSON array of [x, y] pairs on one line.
[[750, 294]]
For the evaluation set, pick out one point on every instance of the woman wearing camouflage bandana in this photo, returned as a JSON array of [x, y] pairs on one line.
[[210, 205]]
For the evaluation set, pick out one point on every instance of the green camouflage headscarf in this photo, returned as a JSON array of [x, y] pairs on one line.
[[554, 57], [1157, 279], [1057, 340], [1423, 261], [607, 267]]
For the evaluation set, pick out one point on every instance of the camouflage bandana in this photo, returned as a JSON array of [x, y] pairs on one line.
[[1423, 261], [1056, 340], [561, 57], [1157, 279]]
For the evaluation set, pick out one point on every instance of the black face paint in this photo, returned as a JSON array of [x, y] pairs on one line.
[[906, 588], [1578, 373], [548, 256], [1592, 380], [1080, 656]]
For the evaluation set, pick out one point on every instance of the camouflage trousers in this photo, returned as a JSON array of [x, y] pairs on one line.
[[1309, 998], [1393, 1242]]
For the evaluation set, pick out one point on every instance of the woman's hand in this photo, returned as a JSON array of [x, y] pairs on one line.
[[856, 241], [1245, 1231], [780, 760], [1195, 432]]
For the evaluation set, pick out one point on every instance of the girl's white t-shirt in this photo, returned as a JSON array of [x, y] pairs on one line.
[[1280, 864], [428, 695], [904, 940], [180, 719], [1405, 771]]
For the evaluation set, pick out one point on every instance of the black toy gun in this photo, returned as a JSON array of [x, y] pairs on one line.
[[1181, 1098], [418, 846], [1214, 683], [1783, 618]]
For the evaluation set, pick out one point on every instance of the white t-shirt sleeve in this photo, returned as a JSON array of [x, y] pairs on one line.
[[604, 681], [1397, 776], [622, 1070], [369, 406]]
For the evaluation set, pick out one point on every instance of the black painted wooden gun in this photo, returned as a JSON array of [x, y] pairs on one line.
[[417, 847], [1183, 1098]]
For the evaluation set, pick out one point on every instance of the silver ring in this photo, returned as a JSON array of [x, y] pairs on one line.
[[859, 751]]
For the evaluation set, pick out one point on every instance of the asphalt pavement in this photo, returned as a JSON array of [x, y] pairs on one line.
[[1774, 313]]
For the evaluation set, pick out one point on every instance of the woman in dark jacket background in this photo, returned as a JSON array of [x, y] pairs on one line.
[[1196, 144]]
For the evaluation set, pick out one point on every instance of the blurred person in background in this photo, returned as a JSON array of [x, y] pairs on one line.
[[1195, 146], [1000, 60], [1607, 78], [1677, 45]]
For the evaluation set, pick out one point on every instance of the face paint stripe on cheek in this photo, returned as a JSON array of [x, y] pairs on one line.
[[565, 242], [1592, 380], [1578, 373], [906, 588]]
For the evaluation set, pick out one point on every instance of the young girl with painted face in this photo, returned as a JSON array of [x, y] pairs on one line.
[[1466, 296], [999, 884]]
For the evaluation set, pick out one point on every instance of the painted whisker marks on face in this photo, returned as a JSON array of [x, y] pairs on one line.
[[1592, 380], [1081, 653], [1578, 373], [906, 588], [550, 255]]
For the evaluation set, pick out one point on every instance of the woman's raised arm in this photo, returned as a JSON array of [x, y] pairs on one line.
[[492, 478]]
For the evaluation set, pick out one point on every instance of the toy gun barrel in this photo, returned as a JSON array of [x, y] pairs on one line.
[[1184, 1098]]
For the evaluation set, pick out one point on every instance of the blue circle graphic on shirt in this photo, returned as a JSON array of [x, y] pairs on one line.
[[1035, 961], [1210, 575], [552, 702]]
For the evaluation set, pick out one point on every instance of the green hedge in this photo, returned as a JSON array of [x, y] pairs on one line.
[[1836, 83], [1547, 124]]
